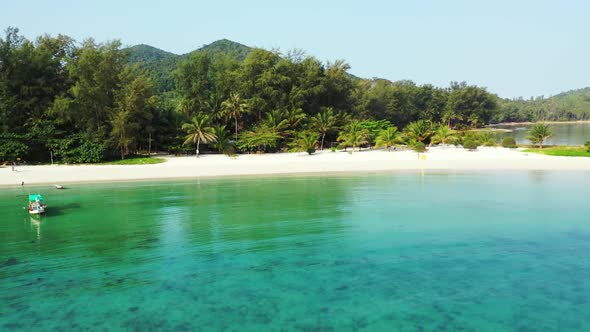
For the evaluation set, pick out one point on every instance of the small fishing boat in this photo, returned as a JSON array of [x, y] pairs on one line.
[[36, 204], [57, 186]]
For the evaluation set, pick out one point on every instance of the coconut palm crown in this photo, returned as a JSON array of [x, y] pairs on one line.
[[307, 141], [324, 122], [234, 107], [387, 138], [419, 130], [198, 131], [539, 133], [354, 135], [443, 135]]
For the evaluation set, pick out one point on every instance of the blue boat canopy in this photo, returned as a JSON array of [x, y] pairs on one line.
[[35, 197]]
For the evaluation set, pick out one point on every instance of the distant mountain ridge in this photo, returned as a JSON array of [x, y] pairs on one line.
[[225, 46], [160, 64], [147, 53], [143, 52]]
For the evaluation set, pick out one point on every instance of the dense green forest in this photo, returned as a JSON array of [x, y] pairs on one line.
[[566, 106], [160, 65], [87, 102]]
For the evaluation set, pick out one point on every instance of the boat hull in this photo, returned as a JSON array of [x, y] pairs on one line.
[[36, 205], [39, 210]]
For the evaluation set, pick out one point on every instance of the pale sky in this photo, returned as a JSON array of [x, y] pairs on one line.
[[514, 48]]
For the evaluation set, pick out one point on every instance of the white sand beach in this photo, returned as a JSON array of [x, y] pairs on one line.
[[437, 158]]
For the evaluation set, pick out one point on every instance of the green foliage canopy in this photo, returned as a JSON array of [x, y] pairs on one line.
[[89, 101], [538, 133]]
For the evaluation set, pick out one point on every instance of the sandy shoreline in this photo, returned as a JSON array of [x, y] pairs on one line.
[[438, 158]]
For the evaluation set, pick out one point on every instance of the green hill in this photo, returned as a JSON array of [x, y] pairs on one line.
[[569, 105], [236, 50], [146, 53], [160, 65]]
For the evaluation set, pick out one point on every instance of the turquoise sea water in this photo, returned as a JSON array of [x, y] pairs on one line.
[[408, 252]]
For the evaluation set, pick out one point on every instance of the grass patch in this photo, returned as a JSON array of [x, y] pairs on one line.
[[135, 161], [566, 151]]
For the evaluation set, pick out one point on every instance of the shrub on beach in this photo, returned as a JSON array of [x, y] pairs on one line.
[[587, 145], [486, 139], [418, 146], [307, 141], [229, 151], [469, 144], [509, 142]]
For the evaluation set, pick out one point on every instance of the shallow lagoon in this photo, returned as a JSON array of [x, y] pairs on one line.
[[563, 133], [403, 251]]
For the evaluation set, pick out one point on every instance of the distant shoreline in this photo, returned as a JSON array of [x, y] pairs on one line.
[[530, 123], [279, 164]]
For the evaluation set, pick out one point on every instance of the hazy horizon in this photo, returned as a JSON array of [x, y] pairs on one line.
[[527, 49]]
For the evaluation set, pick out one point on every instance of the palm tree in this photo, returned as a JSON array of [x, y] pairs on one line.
[[387, 137], [449, 116], [234, 108], [354, 135], [307, 141], [277, 121], [419, 130], [223, 137], [473, 120], [538, 133], [324, 123], [443, 135], [199, 131], [295, 117]]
